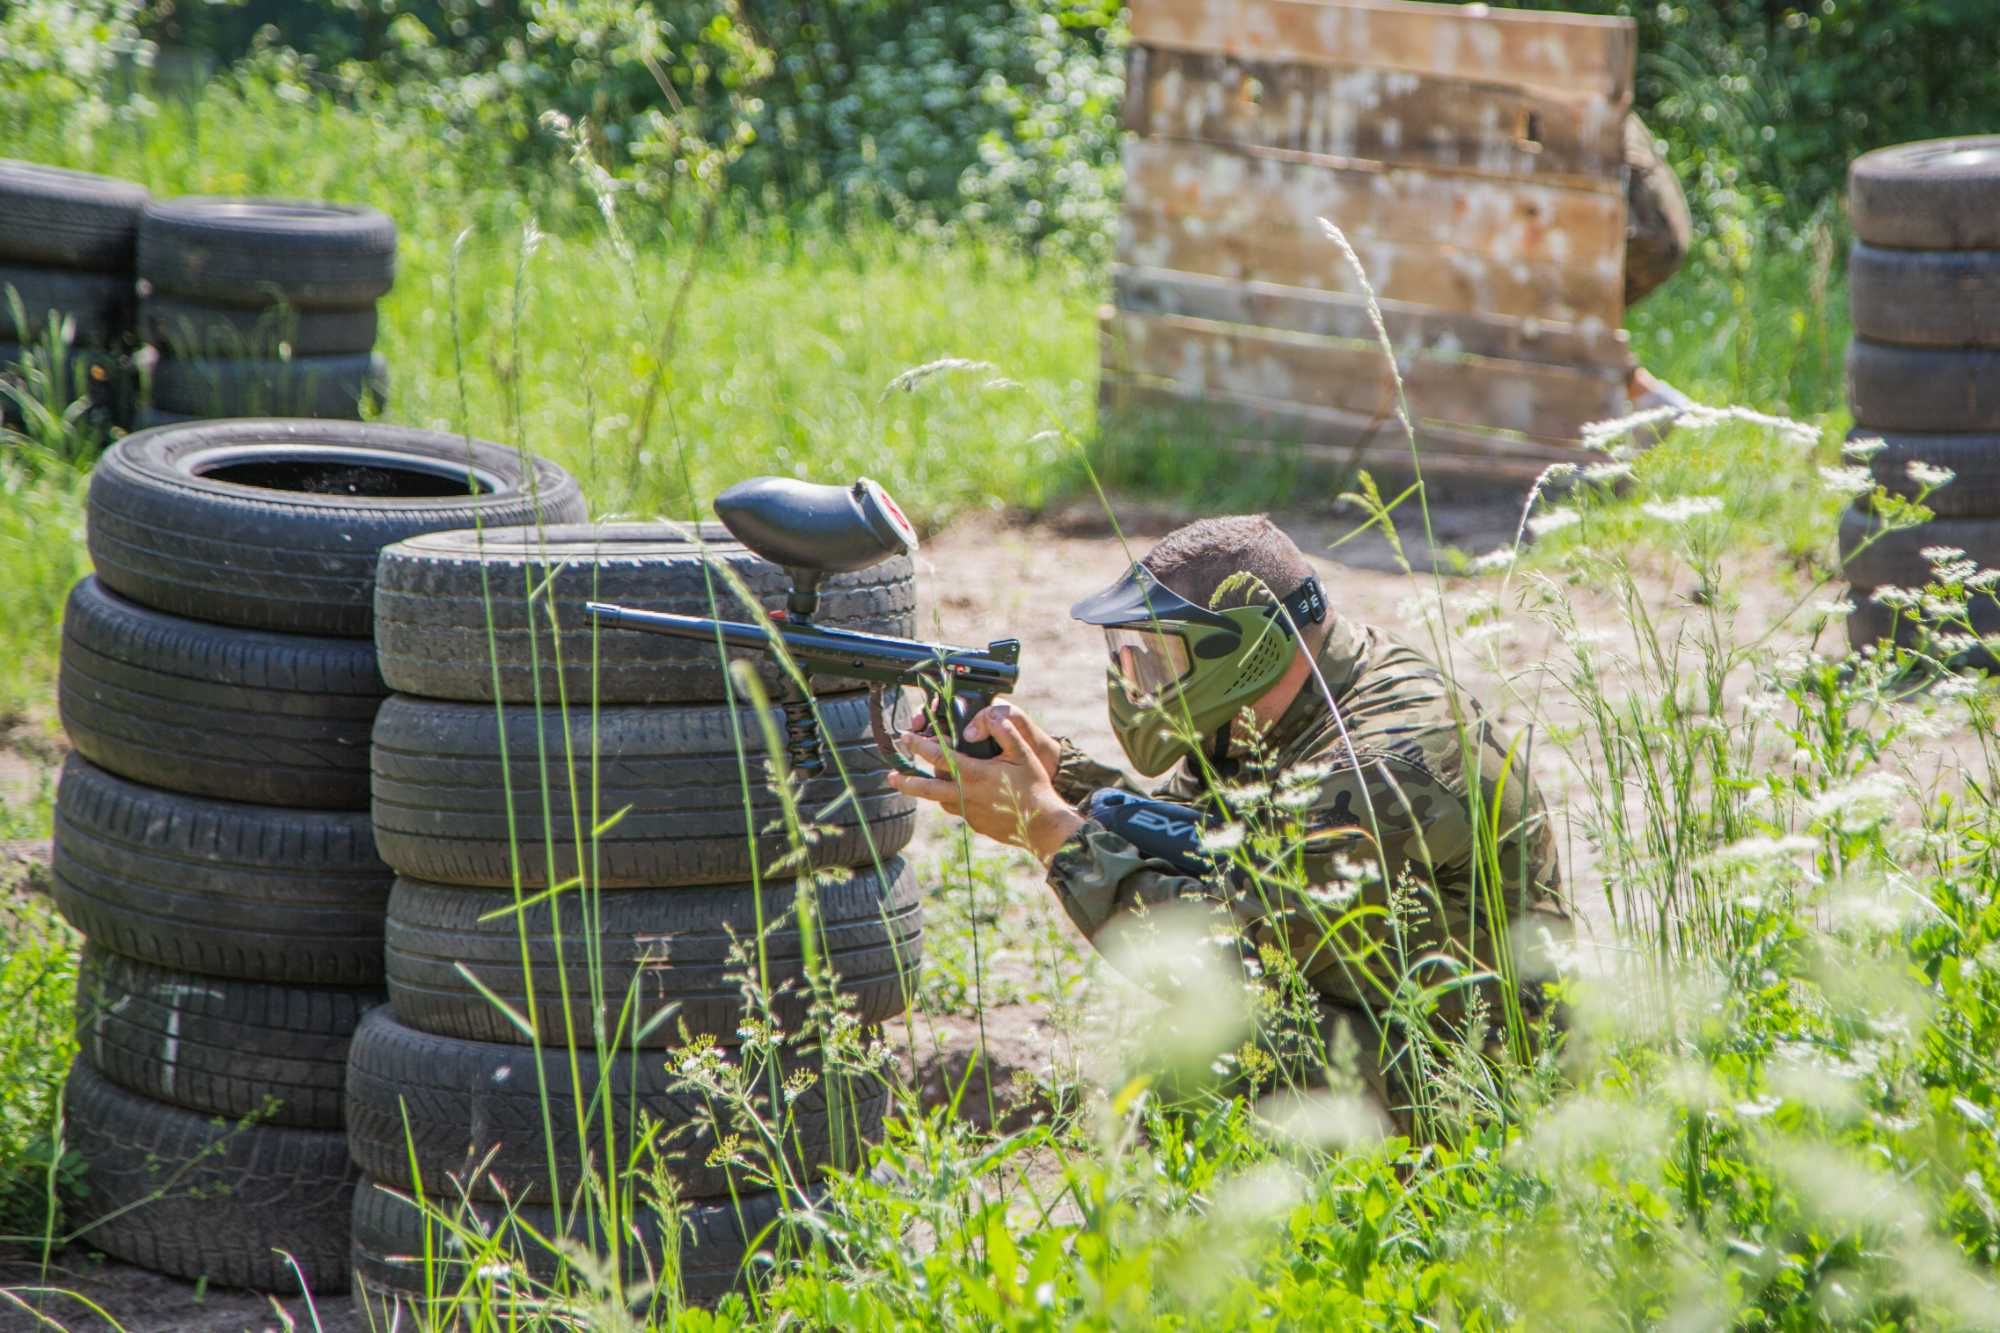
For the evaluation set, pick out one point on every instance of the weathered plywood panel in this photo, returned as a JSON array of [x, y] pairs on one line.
[[1588, 292], [1411, 328], [1339, 439], [1570, 53], [1513, 221], [1350, 375], [1364, 113]]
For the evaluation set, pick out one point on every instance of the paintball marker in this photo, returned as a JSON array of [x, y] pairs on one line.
[[815, 530]]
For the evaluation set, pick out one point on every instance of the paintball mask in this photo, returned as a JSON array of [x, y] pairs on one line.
[[1179, 669]]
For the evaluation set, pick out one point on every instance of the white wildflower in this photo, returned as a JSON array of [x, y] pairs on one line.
[[1938, 555], [1553, 520], [1896, 599], [1956, 571], [1943, 608], [1954, 687], [1224, 839], [1834, 610], [1492, 629], [1860, 804], [1682, 507], [1499, 558], [1601, 435], [1847, 480], [1749, 853], [1983, 581], [1601, 473], [1863, 449], [1929, 477]]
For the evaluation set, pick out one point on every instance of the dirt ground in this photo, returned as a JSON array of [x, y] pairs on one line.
[[986, 576]]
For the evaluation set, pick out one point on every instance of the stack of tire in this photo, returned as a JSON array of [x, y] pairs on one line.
[[1924, 367], [258, 307], [212, 836], [633, 735], [66, 249]]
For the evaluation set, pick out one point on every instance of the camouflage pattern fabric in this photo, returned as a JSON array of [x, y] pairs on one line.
[[1658, 229], [1390, 799]]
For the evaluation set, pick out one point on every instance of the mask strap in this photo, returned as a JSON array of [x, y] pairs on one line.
[[1307, 603]]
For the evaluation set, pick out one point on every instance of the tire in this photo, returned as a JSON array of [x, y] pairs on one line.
[[218, 888], [1924, 389], [1872, 622], [257, 252], [71, 219], [669, 952], [209, 710], [1896, 559], [183, 1193], [713, 1239], [1925, 298], [276, 524], [307, 386], [216, 1045], [1973, 491], [1942, 194], [99, 305], [441, 810], [187, 329], [432, 611], [473, 1111]]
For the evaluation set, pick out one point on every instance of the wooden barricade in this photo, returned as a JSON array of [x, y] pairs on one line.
[[1473, 159]]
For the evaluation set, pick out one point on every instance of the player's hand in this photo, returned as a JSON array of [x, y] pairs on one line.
[[1010, 798], [1045, 747]]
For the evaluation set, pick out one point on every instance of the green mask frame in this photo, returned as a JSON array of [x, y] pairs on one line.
[[1233, 657]]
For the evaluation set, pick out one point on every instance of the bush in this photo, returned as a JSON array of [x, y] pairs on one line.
[[1764, 102]]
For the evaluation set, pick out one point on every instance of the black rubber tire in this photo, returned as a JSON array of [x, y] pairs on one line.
[[99, 305], [187, 329], [256, 252], [306, 386], [211, 710], [293, 560], [1974, 490], [1872, 622], [1941, 194], [472, 1110], [663, 950], [188, 1194], [431, 611], [72, 219], [714, 1237], [218, 888], [215, 1044], [441, 810], [1896, 559], [1933, 389], [1925, 298]]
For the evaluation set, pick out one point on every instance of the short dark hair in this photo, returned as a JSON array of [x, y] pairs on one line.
[[1198, 559]]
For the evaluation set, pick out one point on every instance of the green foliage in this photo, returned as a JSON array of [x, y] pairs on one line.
[[1764, 102], [37, 986], [1000, 113]]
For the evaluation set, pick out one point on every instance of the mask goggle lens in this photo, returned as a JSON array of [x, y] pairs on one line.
[[1147, 662]]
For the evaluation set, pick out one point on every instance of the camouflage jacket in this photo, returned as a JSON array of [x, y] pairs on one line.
[[1389, 798]]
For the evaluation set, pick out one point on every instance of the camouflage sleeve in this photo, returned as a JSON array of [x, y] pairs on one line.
[[1077, 775], [1097, 874]]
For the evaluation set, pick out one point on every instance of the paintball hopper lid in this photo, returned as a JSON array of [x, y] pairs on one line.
[[809, 525]]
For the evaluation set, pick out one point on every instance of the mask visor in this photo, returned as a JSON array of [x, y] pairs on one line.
[[1147, 662]]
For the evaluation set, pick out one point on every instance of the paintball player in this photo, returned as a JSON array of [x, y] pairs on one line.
[[1658, 232], [1274, 682]]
